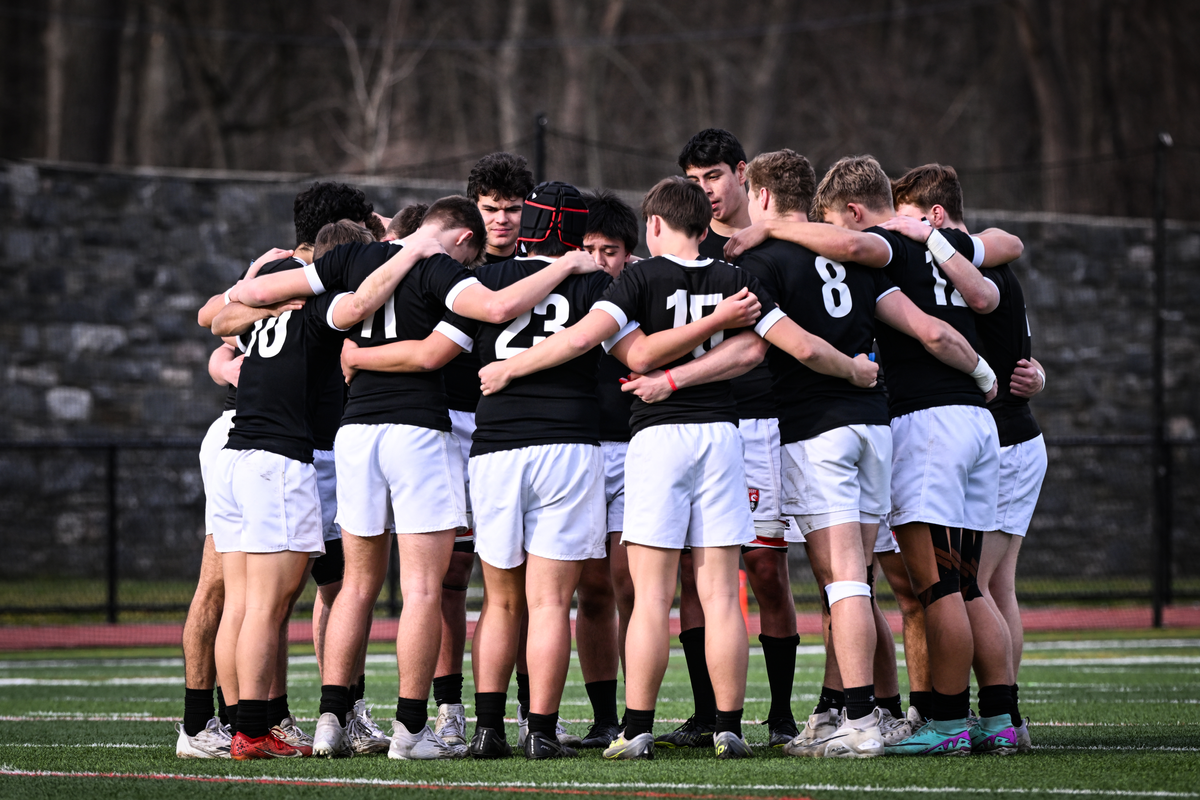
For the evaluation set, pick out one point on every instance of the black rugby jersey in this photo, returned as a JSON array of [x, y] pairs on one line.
[[492, 258], [412, 312], [1004, 336], [461, 378], [615, 405], [668, 292], [915, 378], [713, 246], [230, 397], [836, 302], [289, 359], [554, 406]]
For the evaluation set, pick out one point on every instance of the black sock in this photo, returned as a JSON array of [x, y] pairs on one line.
[[544, 723], [951, 706], [1015, 713], [359, 690], [922, 702], [489, 710], [197, 710], [995, 700], [702, 690], [335, 700], [729, 721], [252, 718], [891, 705], [603, 695], [222, 713], [830, 698], [780, 655], [860, 701], [277, 709], [448, 689], [413, 714], [232, 712], [523, 691], [638, 722]]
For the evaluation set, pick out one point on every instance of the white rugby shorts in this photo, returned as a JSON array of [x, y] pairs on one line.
[[614, 483], [763, 483], [885, 540], [945, 467], [398, 477], [685, 486], [214, 441], [545, 500], [265, 503], [839, 476], [1022, 470], [462, 425], [326, 467]]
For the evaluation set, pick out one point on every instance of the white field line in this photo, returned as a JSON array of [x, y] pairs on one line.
[[155, 681], [1110, 644], [113, 745], [6, 769], [1123, 748]]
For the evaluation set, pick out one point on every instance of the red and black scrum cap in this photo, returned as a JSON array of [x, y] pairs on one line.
[[554, 208]]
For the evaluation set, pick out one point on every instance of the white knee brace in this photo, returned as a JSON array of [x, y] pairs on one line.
[[840, 590]]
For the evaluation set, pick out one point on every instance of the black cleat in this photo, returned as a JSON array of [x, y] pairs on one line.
[[601, 735], [689, 734], [539, 746], [489, 743], [781, 731]]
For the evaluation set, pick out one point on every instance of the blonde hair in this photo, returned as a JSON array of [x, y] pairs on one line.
[[853, 179]]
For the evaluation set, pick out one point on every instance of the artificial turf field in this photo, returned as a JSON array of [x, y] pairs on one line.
[[1112, 717]]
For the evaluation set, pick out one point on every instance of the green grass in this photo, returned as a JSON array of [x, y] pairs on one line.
[[1112, 715]]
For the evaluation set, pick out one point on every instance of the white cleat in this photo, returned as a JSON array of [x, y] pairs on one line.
[[451, 723], [858, 738], [212, 742], [565, 737], [424, 745], [330, 739], [819, 726], [365, 736], [893, 729], [288, 731]]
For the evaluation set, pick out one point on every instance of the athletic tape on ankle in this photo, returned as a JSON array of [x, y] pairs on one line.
[[840, 590]]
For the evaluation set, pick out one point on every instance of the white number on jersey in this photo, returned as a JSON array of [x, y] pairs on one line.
[[939, 286], [836, 293], [554, 322], [694, 305], [269, 334], [389, 320]]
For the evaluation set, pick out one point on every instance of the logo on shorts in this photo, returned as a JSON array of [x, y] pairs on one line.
[[754, 499]]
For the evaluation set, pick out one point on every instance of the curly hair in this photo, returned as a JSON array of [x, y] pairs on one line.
[[322, 203], [502, 175]]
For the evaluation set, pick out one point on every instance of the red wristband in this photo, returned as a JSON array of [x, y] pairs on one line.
[[671, 381]]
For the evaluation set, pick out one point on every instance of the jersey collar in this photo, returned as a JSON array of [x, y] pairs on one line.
[[683, 262]]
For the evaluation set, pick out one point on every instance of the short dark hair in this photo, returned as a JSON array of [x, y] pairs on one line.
[[341, 232], [457, 211], [407, 220], [787, 175], [611, 217], [501, 175], [928, 186], [681, 203], [710, 147], [323, 203], [853, 179]]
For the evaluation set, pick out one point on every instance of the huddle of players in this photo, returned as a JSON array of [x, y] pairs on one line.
[[546, 492]]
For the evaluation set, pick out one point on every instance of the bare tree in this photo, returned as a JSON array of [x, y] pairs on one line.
[[55, 42], [154, 91], [506, 70]]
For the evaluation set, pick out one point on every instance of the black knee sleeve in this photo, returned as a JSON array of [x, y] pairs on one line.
[[946, 543], [328, 568], [871, 578], [972, 549]]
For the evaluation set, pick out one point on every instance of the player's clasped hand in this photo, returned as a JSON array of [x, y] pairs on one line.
[[295, 304], [650, 388], [348, 371], [579, 262], [914, 229], [740, 310], [865, 372], [494, 377], [1026, 380], [272, 255], [744, 239]]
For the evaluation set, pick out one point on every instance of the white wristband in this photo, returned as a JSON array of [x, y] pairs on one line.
[[940, 247], [227, 296], [984, 376], [1041, 375]]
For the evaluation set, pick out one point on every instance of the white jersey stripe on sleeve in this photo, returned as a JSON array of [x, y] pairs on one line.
[[613, 310], [453, 294], [626, 329], [332, 305], [314, 280], [455, 335], [977, 259], [886, 292], [886, 242], [768, 320]]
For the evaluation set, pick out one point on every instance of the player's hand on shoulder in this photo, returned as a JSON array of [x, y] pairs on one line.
[[650, 388], [1026, 380], [915, 229], [493, 378], [578, 262], [348, 369], [231, 370], [864, 371], [295, 304], [744, 239], [425, 247], [272, 255], [740, 310]]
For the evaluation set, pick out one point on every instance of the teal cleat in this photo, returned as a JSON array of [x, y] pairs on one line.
[[935, 738], [994, 735]]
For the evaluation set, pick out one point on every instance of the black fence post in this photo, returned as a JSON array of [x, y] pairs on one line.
[[111, 484], [1162, 450], [539, 146]]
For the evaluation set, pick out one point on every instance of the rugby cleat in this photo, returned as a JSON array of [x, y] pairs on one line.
[[489, 743], [935, 738], [212, 742], [330, 739], [859, 738], [539, 746], [915, 719], [288, 731], [243, 748], [1024, 743], [893, 729], [451, 723], [817, 727], [601, 735], [639, 748], [365, 736], [781, 731], [993, 735], [424, 745], [565, 738], [689, 734], [728, 746]]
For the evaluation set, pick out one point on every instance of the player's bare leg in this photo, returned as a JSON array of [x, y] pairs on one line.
[[322, 604], [1000, 551], [725, 643], [424, 558], [597, 642], [279, 716], [996, 729], [916, 651], [618, 556], [448, 677], [494, 645], [199, 661], [653, 570], [698, 730], [233, 568], [549, 587]]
